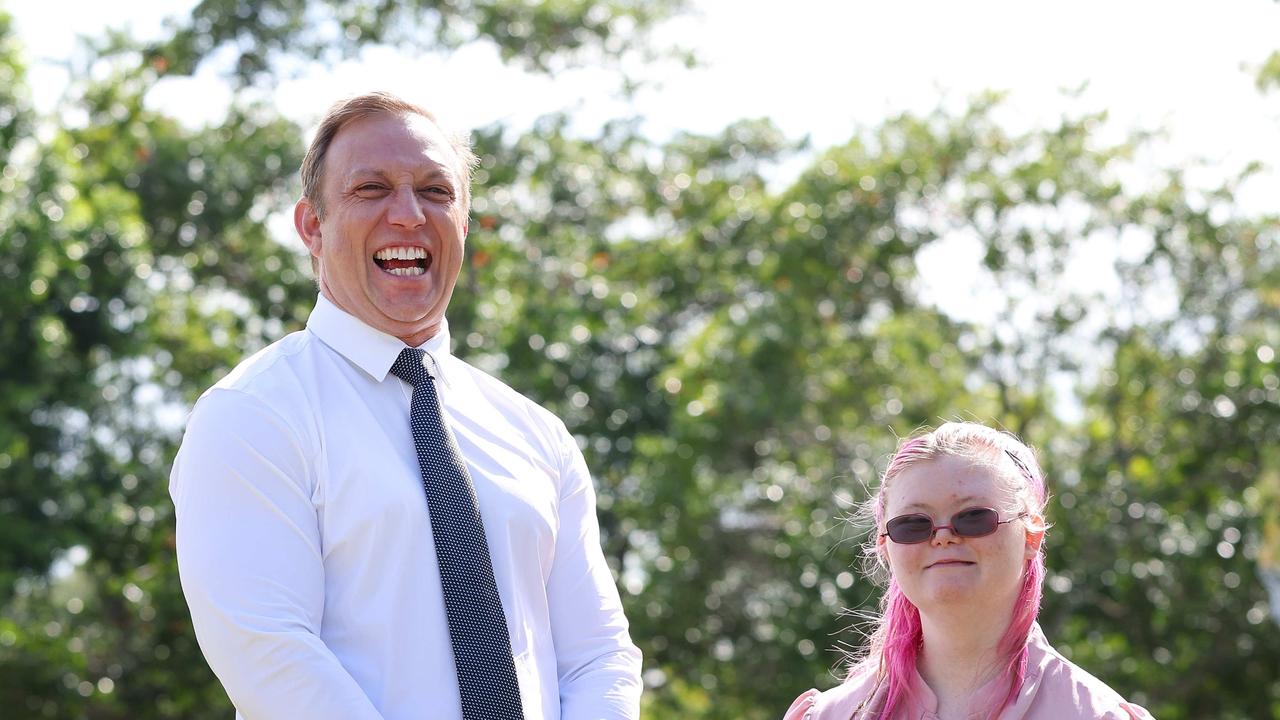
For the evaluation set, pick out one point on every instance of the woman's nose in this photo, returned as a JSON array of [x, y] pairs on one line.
[[940, 539]]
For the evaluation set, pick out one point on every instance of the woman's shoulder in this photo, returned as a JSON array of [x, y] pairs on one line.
[[837, 702], [1062, 681]]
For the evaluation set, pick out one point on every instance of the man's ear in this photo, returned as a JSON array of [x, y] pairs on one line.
[[1035, 532], [307, 222]]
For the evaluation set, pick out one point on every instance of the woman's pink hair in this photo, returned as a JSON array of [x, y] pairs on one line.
[[897, 638]]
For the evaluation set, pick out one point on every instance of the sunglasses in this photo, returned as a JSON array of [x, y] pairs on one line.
[[971, 522]]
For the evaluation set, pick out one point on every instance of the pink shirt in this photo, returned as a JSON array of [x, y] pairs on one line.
[[1054, 689]]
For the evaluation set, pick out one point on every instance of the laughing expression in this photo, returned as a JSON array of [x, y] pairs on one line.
[[389, 239]]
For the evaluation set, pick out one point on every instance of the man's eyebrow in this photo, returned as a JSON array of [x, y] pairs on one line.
[[434, 173]]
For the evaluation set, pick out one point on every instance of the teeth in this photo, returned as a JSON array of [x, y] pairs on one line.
[[407, 271], [401, 253]]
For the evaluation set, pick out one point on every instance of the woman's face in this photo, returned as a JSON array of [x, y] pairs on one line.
[[949, 571]]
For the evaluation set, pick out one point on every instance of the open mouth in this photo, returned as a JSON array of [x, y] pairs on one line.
[[403, 261]]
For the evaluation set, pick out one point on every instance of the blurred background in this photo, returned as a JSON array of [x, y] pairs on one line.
[[740, 251]]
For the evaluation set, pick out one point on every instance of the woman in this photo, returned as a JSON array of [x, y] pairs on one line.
[[960, 522]]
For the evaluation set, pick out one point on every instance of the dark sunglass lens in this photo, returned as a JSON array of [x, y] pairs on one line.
[[975, 522], [909, 529]]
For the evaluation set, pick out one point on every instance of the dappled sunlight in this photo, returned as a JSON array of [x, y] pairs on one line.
[[734, 347]]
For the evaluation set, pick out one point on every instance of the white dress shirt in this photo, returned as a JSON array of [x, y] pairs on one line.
[[305, 547]]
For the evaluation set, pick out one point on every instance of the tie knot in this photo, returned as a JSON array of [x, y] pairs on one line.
[[411, 366]]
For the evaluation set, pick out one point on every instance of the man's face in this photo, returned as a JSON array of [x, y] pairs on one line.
[[390, 243]]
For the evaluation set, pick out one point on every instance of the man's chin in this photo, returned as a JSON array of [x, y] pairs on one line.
[[405, 322], [406, 304]]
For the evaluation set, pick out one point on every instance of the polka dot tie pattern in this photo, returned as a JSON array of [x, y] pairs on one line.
[[477, 624]]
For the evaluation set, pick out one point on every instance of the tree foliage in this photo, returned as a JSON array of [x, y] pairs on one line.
[[541, 36], [736, 358]]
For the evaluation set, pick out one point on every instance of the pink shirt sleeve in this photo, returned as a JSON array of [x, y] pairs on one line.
[[1136, 712], [800, 709]]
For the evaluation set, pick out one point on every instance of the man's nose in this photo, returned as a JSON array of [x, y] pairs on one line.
[[406, 208]]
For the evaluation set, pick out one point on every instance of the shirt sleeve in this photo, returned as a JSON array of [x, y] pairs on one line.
[[250, 563], [1136, 712], [802, 707], [597, 664]]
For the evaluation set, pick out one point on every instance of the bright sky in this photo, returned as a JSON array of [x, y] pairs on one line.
[[815, 66], [823, 69]]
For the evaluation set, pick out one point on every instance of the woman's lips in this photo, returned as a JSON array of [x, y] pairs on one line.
[[948, 563]]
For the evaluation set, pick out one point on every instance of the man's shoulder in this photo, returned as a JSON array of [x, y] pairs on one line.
[[266, 365], [269, 373], [264, 393], [510, 400]]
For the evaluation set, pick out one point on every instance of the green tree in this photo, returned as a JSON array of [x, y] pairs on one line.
[[735, 358], [540, 36], [140, 269], [1178, 469]]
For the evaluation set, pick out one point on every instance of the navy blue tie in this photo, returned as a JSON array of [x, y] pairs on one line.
[[477, 625]]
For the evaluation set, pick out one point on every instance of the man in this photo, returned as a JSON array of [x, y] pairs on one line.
[[366, 530]]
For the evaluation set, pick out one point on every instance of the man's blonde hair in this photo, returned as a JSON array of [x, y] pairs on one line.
[[355, 108]]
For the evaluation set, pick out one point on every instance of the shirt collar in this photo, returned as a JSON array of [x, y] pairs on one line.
[[371, 350], [991, 694]]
